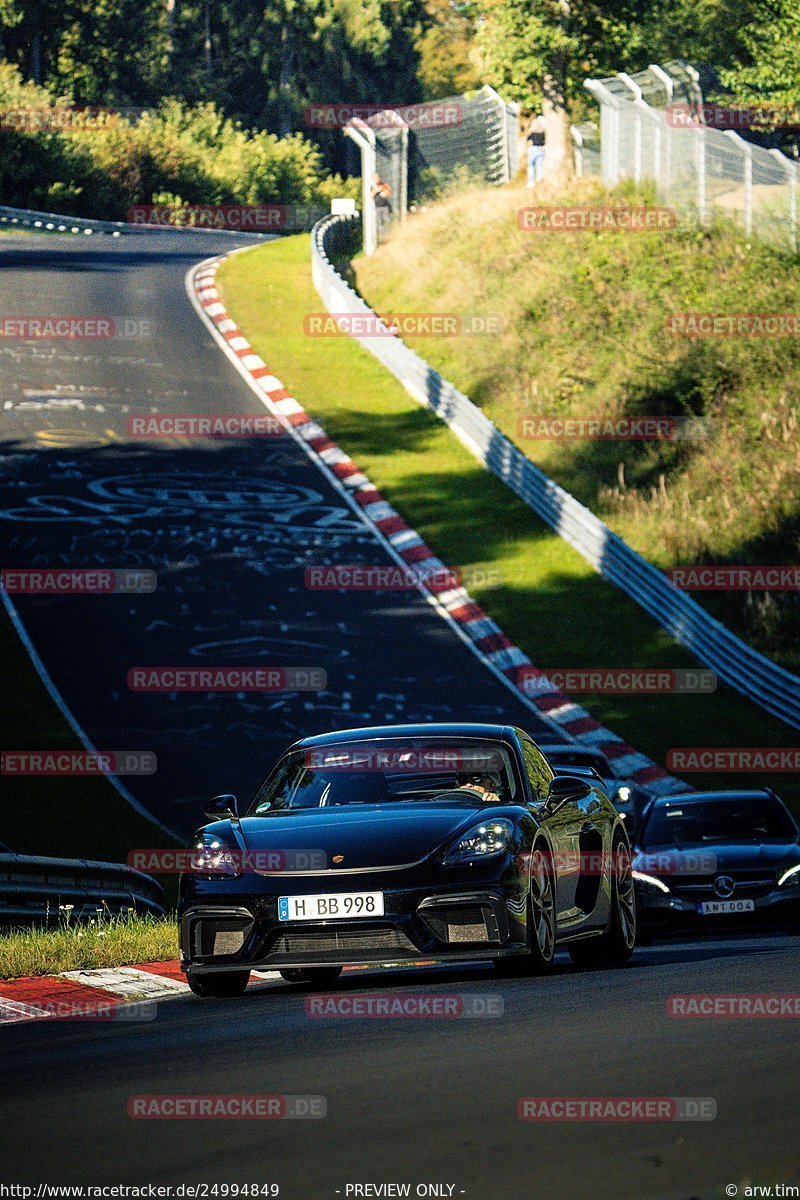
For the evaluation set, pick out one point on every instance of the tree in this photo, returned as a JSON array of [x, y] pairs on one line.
[[768, 69], [539, 52], [446, 49]]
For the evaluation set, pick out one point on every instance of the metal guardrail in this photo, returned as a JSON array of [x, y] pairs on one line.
[[34, 889], [754, 675], [24, 218]]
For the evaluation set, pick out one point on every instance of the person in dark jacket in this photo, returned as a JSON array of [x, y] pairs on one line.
[[382, 199], [534, 139]]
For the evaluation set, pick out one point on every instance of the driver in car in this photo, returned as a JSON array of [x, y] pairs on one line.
[[486, 783]]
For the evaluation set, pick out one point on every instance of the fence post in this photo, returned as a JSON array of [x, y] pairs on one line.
[[669, 88], [364, 138], [577, 138], [700, 163], [791, 169], [663, 77], [747, 158], [609, 129], [638, 99], [501, 104]]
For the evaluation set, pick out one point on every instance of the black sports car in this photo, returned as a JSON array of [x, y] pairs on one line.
[[718, 860], [403, 843]]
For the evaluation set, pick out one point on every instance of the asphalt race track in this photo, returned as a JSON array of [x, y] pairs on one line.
[[229, 527], [416, 1100]]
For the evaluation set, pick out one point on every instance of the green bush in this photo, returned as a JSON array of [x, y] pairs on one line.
[[192, 152]]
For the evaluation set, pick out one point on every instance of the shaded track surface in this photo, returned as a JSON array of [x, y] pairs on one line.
[[423, 1100], [228, 526]]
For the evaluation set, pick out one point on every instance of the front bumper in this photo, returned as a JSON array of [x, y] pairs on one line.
[[444, 923], [661, 912]]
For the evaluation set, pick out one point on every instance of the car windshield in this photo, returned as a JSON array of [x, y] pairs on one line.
[[677, 824], [430, 770]]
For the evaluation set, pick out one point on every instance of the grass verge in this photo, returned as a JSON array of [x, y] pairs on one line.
[[539, 590], [114, 943]]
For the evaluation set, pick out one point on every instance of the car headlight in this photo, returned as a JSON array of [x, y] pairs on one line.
[[650, 881], [481, 841], [790, 878], [209, 856], [623, 793]]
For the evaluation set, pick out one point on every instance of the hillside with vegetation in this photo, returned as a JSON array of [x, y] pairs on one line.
[[585, 334]]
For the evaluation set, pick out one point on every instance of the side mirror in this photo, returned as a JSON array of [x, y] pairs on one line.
[[564, 788], [222, 808]]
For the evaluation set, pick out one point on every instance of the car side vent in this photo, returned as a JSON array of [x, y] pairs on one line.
[[463, 924]]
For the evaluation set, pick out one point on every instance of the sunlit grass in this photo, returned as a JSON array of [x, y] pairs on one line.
[[115, 942]]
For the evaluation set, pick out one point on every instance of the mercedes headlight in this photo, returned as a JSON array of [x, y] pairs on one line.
[[790, 878], [650, 881], [481, 841]]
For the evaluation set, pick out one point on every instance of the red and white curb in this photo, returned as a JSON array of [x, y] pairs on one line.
[[481, 633], [117, 993], [99, 995]]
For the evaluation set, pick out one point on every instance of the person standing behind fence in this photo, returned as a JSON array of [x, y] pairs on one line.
[[535, 141], [381, 198]]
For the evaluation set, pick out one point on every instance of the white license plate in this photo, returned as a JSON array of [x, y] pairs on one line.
[[708, 908], [335, 907]]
